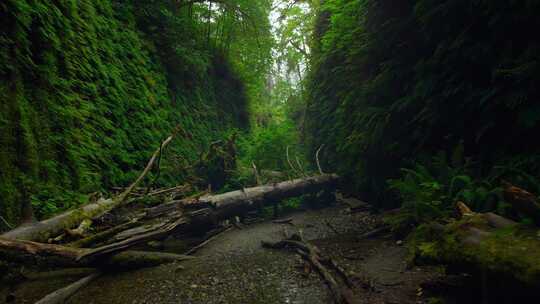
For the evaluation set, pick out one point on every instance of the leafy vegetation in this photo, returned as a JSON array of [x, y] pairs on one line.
[[393, 84], [90, 88]]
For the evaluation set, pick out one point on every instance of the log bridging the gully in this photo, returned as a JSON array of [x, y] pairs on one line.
[[179, 217]]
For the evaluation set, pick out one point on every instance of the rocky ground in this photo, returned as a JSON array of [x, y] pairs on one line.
[[234, 268]]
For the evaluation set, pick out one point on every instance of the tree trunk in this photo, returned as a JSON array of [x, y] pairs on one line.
[[174, 220], [55, 255]]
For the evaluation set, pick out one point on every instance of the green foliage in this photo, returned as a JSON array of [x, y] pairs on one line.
[[89, 89], [267, 147], [429, 192], [391, 81]]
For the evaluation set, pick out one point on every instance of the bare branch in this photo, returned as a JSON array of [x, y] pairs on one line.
[[317, 159]]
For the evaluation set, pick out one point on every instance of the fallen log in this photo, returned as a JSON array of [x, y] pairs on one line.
[[61, 295], [239, 202], [341, 294], [33, 253], [222, 206], [42, 231]]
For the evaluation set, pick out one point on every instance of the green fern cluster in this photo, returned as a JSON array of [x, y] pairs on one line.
[[392, 81], [89, 89], [429, 191]]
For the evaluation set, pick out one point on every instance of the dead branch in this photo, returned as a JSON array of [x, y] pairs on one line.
[[256, 173], [149, 166], [289, 161], [317, 159], [104, 235], [6, 222], [42, 231], [61, 295], [181, 189], [310, 253], [300, 166]]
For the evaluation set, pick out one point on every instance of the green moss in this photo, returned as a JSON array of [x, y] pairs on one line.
[[512, 251], [86, 97]]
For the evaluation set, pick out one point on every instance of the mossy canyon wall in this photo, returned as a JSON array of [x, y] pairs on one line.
[[88, 89]]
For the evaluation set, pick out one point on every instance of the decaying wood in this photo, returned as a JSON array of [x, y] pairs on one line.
[[56, 255], [147, 169], [81, 231], [104, 235], [160, 232], [220, 207], [475, 244], [227, 205], [341, 294], [463, 210], [179, 189], [42, 231], [61, 295], [522, 201]]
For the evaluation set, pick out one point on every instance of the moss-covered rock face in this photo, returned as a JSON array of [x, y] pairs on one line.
[[511, 252], [85, 99]]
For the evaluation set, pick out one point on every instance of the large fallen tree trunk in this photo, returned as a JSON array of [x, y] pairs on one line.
[[42, 231], [238, 202], [174, 219], [222, 207]]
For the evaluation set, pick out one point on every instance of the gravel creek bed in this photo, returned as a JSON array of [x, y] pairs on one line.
[[234, 268]]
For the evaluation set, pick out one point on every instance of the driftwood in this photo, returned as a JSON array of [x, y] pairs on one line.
[[42, 231], [61, 295], [324, 266]]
